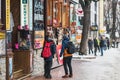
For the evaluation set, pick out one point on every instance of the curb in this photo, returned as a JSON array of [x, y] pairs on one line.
[[84, 57]]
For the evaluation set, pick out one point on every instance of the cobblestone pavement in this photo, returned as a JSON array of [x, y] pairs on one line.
[[105, 67]]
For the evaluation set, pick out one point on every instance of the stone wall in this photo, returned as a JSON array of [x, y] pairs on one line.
[[2, 68], [2, 61], [38, 63]]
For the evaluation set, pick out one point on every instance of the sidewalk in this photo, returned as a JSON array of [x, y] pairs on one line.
[[105, 67]]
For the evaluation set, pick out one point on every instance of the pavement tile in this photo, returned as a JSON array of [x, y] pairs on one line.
[[105, 67]]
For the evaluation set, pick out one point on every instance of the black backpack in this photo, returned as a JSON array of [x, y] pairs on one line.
[[71, 47]]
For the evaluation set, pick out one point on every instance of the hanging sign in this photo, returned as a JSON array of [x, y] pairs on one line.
[[7, 14], [24, 12]]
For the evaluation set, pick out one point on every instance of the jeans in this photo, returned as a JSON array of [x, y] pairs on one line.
[[47, 68], [90, 50], [101, 49], [67, 63]]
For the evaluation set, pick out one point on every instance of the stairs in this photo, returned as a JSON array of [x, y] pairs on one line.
[[19, 75]]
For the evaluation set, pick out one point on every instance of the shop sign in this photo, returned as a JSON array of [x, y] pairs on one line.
[[2, 35], [101, 31], [24, 12], [7, 14], [79, 12], [94, 28]]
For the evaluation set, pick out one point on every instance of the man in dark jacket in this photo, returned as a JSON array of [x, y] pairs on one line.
[[102, 45], [90, 45]]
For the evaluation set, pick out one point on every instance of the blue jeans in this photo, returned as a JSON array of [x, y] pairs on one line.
[[67, 65], [101, 49]]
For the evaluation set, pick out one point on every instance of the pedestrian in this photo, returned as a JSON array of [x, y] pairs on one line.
[[108, 42], [117, 43], [48, 60], [96, 46], [102, 45], [113, 43], [66, 58], [90, 46]]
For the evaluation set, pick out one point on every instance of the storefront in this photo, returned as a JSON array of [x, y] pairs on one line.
[[6, 55], [57, 21], [20, 38], [27, 37], [76, 14], [25, 34]]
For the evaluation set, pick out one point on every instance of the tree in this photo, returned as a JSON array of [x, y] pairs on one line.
[[114, 7], [107, 15], [86, 23]]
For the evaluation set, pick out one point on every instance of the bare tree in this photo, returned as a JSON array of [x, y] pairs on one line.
[[114, 7], [86, 24], [107, 14]]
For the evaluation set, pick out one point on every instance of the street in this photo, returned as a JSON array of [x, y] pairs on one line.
[[105, 67]]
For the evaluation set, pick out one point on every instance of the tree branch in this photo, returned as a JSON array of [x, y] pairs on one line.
[[82, 3]]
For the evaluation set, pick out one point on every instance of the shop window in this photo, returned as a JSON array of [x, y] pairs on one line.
[[23, 38], [38, 24]]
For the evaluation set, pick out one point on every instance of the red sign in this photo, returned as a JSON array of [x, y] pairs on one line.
[[79, 12], [60, 59]]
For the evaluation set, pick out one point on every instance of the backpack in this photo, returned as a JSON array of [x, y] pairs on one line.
[[46, 53], [71, 47]]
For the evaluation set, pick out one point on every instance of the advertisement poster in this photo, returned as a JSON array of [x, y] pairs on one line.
[[38, 39], [38, 10]]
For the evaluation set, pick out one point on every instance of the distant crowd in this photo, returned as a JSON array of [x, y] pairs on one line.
[[101, 44]]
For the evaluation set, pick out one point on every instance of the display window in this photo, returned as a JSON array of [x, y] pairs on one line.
[[24, 39], [57, 21], [39, 26], [58, 13]]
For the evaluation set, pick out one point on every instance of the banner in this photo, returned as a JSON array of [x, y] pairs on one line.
[[7, 14], [24, 12]]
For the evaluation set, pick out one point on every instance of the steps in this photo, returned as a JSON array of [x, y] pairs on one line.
[[17, 74]]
